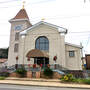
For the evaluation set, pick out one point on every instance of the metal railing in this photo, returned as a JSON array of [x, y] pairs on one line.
[[53, 67], [57, 66]]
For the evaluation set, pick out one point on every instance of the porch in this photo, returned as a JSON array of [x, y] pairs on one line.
[[41, 58]]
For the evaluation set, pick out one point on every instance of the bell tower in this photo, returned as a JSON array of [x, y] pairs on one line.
[[19, 23]]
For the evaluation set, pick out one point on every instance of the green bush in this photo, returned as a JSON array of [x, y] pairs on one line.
[[86, 81], [2, 78], [4, 74], [21, 72], [48, 72], [80, 80], [75, 80], [68, 77]]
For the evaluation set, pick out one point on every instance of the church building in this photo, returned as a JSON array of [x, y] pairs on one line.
[[41, 43]]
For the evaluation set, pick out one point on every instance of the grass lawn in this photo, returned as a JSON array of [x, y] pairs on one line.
[[2, 78]]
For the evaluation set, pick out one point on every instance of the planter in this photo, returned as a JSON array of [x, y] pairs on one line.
[[29, 74], [56, 75], [14, 75], [37, 74]]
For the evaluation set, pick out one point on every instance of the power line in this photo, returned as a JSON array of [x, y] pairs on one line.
[[38, 2], [7, 1], [87, 41], [80, 32], [52, 33], [85, 1]]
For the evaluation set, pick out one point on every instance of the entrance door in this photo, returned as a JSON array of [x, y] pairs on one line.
[[43, 61]]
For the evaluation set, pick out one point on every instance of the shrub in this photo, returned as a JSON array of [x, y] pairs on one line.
[[68, 77], [2, 78], [4, 74], [48, 72], [75, 80], [80, 80], [86, 81], [21, 72]]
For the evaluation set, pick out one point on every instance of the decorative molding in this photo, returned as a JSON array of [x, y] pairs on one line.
[[13, 20]]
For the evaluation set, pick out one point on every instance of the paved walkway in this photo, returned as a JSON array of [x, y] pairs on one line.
[[34, 79], [41, 82]]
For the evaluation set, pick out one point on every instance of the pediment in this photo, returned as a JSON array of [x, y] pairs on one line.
[[60, 29]]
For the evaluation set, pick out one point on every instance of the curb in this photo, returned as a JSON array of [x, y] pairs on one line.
[[47, 86]]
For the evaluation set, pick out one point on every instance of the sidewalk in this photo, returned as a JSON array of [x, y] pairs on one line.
[[42, 83], [33, 79]]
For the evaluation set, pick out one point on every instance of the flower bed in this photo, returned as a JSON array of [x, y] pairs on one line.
[[69, 78]]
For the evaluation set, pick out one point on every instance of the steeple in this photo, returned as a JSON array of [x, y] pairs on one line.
[[22, 14], [19, 23]]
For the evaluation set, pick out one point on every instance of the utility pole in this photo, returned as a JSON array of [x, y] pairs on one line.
[[82, 55]]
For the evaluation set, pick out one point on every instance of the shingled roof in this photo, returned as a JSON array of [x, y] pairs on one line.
[[22, 14], [37, 53]]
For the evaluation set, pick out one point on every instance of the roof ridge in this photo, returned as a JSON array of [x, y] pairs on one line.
[[74, 45]]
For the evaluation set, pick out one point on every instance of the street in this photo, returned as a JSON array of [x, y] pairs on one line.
[[18, 87]]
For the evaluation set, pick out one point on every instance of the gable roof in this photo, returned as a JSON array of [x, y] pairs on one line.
[[60, 29]]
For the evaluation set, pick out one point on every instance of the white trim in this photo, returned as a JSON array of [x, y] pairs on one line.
[[62, 34], [23, 33], [60, 29], [74, 45], [12, 20]]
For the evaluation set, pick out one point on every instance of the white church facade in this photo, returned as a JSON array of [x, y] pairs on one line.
[[41, 43]]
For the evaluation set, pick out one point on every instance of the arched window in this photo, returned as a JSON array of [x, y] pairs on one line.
[[42, 43]]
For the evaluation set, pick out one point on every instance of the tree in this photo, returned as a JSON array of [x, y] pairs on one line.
[[4, 53]]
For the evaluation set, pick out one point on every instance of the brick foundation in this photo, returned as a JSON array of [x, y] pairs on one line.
[[14, 75], [56, 75]]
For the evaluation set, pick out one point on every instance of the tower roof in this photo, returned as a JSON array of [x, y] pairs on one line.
[[22, 14]]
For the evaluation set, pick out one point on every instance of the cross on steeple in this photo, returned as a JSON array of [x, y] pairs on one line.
[[23, 4], [43, 19]]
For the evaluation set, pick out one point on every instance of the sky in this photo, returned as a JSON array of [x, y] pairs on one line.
[[71, 14]]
